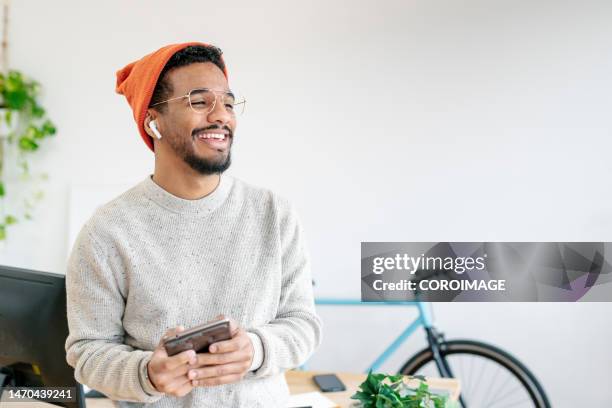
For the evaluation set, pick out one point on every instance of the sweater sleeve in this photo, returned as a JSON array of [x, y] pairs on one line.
[[95, 347], [290, 338]]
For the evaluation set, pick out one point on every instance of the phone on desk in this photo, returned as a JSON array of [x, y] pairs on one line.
[[198, 338], [329, 383]]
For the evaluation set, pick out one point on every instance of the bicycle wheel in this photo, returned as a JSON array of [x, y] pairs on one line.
[[489, 377]]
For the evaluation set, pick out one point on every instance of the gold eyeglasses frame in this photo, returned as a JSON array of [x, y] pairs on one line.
[[238, 102]]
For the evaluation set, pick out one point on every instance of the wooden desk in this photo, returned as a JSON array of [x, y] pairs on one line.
[[299, 382]]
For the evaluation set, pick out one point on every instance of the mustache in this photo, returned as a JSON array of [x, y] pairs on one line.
[[212, 127]]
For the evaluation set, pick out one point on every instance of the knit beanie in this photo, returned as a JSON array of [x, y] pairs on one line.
[[137, 80]]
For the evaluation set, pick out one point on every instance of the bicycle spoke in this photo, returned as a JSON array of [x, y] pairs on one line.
[[469, 376], [498, 390], [513, 404], [480, 374], [461, 375], [512, 391], [490, 388], [467, 393], [484, 382]]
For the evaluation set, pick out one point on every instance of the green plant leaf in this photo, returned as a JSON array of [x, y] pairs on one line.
[[48, 128], [2, 192], [16, 100], [389, 395], [38, 133], [37, 111], [2, 232], [15, 93], [395, 378], [370, 385], [389, 391], [10, 220], [423, 387], [27, 144], [32, 132], [360, 395]]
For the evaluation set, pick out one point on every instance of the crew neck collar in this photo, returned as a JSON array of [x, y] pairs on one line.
[[198, 207]]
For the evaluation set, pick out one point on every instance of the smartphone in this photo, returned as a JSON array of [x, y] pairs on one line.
[[198, 338], [329, 383]]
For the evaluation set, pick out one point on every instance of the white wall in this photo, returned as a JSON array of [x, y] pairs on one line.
[[401, 120]]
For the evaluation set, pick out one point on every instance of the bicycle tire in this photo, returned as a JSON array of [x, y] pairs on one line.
[[487, 351]]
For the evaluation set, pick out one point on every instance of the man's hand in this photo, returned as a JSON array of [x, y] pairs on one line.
[[227, 362], [169, 374]]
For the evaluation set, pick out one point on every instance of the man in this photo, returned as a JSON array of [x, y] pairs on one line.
[[181, 248]]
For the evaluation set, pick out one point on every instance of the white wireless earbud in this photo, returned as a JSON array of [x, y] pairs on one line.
[[153, 127]]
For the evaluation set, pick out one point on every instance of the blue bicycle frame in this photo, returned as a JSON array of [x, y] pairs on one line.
[[424, 319]]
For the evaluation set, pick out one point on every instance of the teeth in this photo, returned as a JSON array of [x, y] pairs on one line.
[[219, 136]]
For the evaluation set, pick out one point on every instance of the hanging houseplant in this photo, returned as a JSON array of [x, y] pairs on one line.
[[24, 127]]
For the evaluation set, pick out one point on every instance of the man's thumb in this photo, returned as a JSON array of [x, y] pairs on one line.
[[170, 333]]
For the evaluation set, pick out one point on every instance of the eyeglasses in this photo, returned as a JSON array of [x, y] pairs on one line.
[[203, 100]]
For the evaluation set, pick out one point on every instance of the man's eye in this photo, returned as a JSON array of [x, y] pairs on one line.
[[201, 103], [229, 106]]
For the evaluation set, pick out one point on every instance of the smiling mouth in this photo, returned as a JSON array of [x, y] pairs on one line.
[[215, 140]]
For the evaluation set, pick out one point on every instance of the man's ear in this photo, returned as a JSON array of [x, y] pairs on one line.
[[147, 127], [152, 118]]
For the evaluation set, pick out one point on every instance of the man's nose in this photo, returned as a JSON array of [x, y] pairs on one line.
[[219, 113]]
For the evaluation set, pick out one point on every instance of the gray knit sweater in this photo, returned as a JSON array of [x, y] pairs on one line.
[[149, 261]]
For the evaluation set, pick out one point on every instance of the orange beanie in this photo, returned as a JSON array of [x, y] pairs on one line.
[[136, 81]]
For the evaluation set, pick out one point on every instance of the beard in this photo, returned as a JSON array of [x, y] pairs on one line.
[[206, 166], [203, 165]]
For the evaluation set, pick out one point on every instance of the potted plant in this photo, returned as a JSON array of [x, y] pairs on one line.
[[398, 391], [23, 126]]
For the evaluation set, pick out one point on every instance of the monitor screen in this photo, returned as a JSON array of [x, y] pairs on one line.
[[33, 332]]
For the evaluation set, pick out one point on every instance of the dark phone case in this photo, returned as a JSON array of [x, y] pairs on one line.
[[198, 341], [329, 383]]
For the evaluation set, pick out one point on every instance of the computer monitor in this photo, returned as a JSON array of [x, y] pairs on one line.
[[33, 331]]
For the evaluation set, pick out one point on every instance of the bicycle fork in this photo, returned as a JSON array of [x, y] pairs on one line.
[[435, 339]]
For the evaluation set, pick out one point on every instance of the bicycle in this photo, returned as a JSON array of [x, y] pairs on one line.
[[452, 358]]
